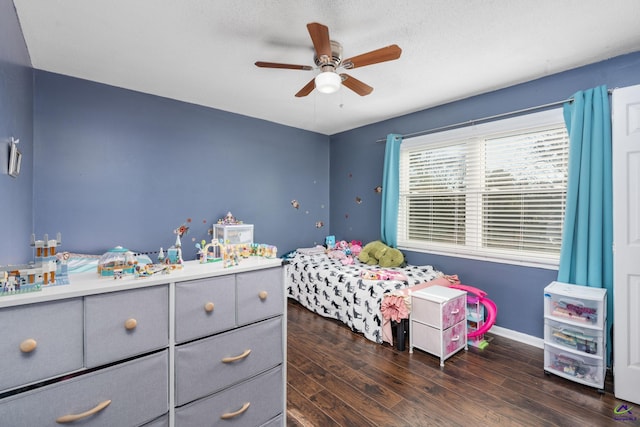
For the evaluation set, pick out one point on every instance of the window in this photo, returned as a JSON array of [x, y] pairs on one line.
[[494, 191]]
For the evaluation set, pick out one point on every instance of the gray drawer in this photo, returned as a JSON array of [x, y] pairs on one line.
[[251, 304], [138, 391], [107, 337], [56, 331], [199, 367], [163, 421], [275, 422], [195, 318], [264, 394]]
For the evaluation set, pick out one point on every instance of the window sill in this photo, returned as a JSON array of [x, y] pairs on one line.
[[547, 264]]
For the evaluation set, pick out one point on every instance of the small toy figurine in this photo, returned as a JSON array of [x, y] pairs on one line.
[[174, 253], [230, 256], [148, 270], [229, 219], [330, 241], [62, 274]]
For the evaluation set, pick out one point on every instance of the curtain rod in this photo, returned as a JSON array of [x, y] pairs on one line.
[[484, 119]]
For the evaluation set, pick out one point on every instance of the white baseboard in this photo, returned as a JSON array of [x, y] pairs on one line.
[[517, 336]]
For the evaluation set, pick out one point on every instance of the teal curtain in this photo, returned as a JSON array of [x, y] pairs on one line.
[[586, 256], [391, 191]]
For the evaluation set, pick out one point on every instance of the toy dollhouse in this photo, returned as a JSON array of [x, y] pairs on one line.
[[16, 279]]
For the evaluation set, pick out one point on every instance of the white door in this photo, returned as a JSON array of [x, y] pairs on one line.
[[626, 238]]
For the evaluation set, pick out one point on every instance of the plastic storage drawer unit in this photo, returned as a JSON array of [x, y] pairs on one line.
[[575, 342], [233, 234]]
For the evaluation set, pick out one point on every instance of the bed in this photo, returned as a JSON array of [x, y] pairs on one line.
[[353, 293]]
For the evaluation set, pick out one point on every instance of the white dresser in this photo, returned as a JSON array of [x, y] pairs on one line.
[[438, 321], [205, 343]]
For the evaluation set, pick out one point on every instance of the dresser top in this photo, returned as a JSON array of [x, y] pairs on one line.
[[438, 293], [90, 283]]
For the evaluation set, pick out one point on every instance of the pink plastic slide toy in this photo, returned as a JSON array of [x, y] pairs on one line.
[[490, 306]]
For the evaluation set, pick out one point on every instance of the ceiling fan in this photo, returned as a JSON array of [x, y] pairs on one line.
[[328, 58]]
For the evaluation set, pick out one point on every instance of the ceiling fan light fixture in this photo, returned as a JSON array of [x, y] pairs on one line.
[[328, 82]]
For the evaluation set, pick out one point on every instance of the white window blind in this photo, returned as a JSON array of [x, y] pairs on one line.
[[495, 191]]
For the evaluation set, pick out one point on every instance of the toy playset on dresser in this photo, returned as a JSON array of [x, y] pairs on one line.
[[206, 342], [231, 241], [48, 268]]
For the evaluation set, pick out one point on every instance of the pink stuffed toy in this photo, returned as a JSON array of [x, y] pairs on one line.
[[347, 260], [356, 249], [336, 254], [342, 245]]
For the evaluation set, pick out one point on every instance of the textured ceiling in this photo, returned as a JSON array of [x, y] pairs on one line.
[[203, 51]]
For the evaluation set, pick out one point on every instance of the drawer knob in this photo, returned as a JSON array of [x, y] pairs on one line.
[[130, 324], [208, 307], [263, 295], [236, 358], [28, 345], [240, 411], [456, 311], [75, 417]]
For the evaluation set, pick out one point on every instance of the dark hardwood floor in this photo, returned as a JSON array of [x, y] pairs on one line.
[[338, 378]]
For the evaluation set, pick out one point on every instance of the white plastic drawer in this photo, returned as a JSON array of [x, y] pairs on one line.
[[586, 340], [251, 403], [586, 369], [40, 341], [137, 391], [575, 310], [127, 323], [205, 306], [578, 304], [233, 234], [260, 295], [208, 365]]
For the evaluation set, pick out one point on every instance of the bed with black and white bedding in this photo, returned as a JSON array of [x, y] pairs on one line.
[[347, 292]]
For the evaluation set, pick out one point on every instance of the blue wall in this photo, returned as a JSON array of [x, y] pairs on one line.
[[107, 166], [356, 169], [16, 118], [117, 167]]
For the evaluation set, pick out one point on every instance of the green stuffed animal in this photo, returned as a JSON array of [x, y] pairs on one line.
[[378, 253], [390, 257], [368, 252]]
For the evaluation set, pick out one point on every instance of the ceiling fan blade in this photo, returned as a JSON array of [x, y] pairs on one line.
[[356, 85], [306, 90], [384, 54], [321, 43], [287, 66]]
